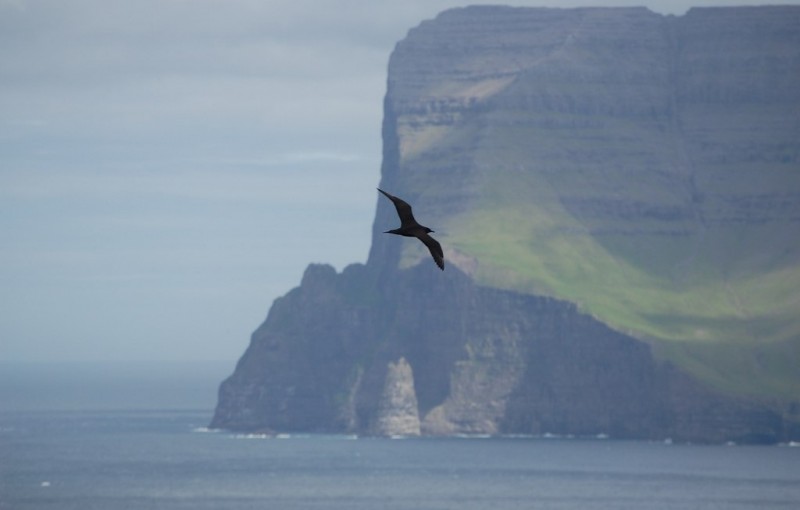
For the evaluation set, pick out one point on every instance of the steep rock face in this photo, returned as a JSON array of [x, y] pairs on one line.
[[645, 167], [301, 371], [584, 156], [444, 356]]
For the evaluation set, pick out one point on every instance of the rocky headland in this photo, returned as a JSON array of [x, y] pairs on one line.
[[618, 195]]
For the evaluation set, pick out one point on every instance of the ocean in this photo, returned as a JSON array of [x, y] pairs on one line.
[[140, 458]]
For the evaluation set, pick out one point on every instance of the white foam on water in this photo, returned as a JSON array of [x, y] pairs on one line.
[[205, 430], [252, 436]]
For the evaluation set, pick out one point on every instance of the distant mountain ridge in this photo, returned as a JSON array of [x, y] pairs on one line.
[[644, 168]]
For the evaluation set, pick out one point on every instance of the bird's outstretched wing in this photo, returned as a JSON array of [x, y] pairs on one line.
[[435, 249], [403, 209]]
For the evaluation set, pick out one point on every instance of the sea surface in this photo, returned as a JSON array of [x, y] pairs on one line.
[[168, 460], [55, 453]]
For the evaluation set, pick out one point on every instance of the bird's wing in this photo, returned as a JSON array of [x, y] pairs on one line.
[[435, 249], [403, 209]]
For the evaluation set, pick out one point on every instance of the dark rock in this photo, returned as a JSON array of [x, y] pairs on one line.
[[485, 361]]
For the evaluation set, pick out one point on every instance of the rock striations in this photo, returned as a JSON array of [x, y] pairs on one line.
[[612, 160]]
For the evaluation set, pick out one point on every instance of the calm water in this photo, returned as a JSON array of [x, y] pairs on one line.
[[165, 460]]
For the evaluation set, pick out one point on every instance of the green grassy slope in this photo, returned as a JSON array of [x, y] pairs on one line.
[[719, 299], [740, 332]]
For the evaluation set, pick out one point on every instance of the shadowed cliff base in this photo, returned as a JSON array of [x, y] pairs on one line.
[[485, 361], [636, 192]]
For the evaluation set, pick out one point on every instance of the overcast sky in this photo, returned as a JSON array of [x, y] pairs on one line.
[[168, 168]]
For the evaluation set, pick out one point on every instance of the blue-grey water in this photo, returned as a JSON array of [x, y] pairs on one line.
[[166, 459]]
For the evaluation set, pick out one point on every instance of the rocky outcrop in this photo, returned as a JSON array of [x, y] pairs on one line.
[[397, 408], [585, 175], [409, 353]]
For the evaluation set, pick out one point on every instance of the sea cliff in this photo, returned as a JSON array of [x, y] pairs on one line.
[[618, 196]]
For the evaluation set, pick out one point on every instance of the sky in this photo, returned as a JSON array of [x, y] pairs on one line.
[[170, 167]]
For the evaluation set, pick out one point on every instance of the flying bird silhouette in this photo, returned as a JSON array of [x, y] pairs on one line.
[[410, 228]]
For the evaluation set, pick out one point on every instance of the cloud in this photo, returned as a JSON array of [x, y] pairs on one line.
[[149, 71]]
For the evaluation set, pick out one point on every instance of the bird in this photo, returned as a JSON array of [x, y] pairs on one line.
[[410, 228]]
